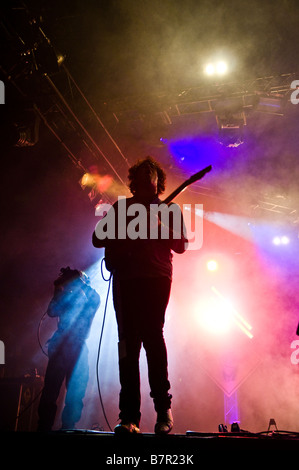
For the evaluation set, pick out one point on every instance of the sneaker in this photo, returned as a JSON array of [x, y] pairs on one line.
[[164, 422], [126, 428]]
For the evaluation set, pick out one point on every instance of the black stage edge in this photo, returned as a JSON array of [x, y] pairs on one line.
[[147, 450]]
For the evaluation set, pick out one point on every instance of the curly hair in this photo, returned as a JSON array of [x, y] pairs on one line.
[[68, 275], [154, 166]]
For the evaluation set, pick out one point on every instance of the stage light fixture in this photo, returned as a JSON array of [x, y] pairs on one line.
[[222, 428], [87, 180], [26, 132], [221, 67], [216, 68], [231, 119], [88, 184], [212, 265], [231, 136], [276, 241], [235, 427], [270, 104], [280, 240], [210, 69]]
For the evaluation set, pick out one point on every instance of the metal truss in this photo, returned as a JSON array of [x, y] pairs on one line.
[[41, 86], [246, 94]]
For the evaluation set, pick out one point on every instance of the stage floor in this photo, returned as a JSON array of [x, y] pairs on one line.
[[146, 450]]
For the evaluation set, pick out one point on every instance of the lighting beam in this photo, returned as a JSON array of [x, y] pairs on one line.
[[238, 319]]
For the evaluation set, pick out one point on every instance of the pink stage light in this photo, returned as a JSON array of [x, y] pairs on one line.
[[218, 315], [214, 315]]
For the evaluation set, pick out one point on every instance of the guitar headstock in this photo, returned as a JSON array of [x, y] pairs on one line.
[[192, 179], [200, 174]]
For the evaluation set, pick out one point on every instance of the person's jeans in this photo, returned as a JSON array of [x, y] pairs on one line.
[[140, 306], [67, 362]]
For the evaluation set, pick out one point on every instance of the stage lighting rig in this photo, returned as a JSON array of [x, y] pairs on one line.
[[231, 120], [231, 136], [270, 104]]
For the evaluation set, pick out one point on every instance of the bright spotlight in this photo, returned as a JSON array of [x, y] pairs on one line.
[[210, 69], [221, 68], [276, 241], [214, 316], [285, 240], [216, 68], [212, 265], [235, 316]]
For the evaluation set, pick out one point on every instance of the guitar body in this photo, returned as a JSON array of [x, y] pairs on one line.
[[118, 251], [117, 255]]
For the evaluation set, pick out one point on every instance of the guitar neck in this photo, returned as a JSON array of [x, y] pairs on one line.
[[186, 183], [175, 193]]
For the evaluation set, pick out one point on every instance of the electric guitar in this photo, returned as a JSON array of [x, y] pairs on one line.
[[112, 254], [196, 177]]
